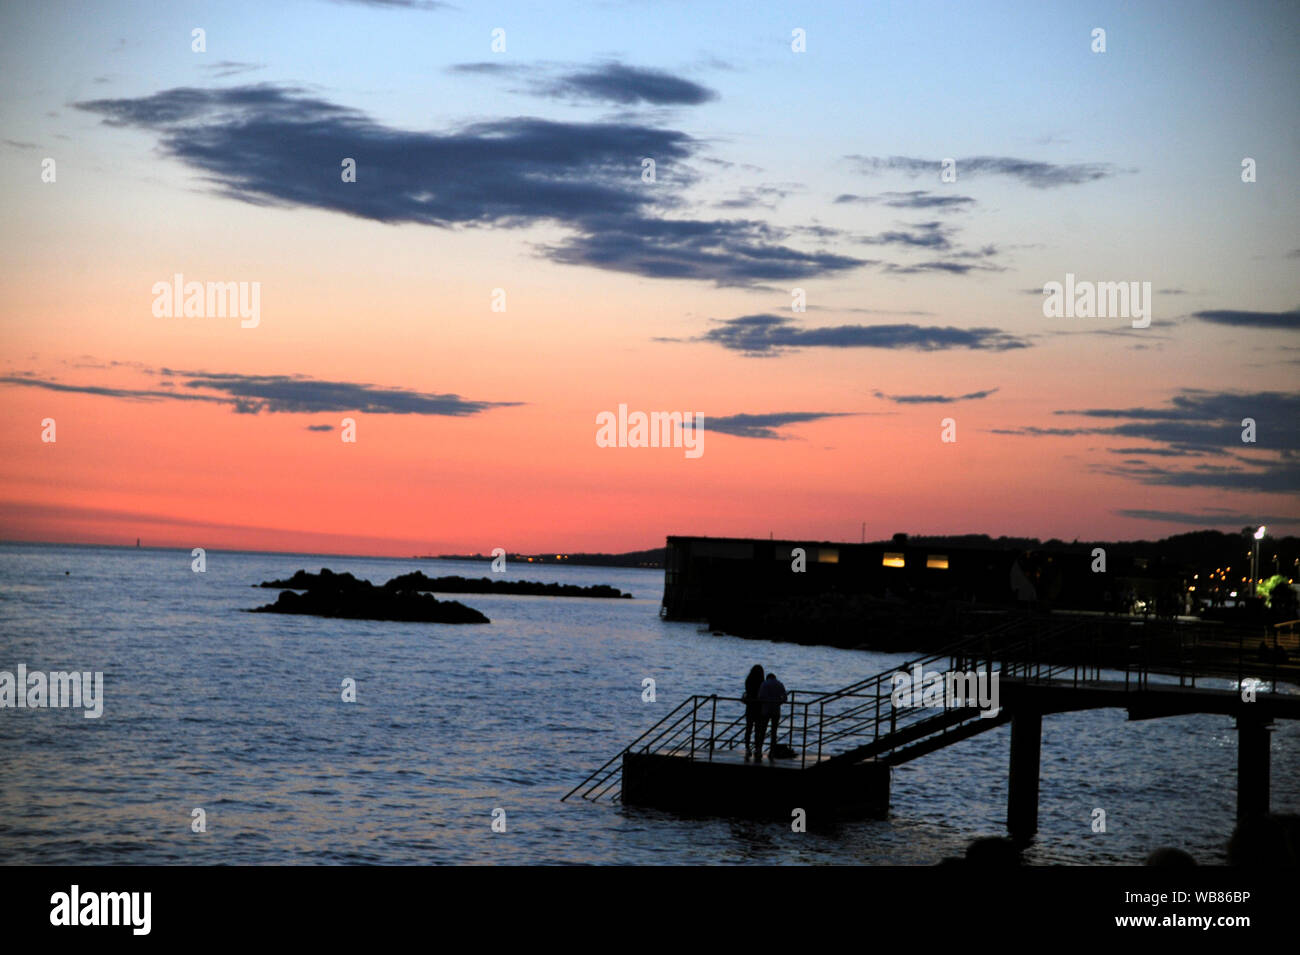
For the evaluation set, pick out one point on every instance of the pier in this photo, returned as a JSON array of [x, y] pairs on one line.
[[846, 741]]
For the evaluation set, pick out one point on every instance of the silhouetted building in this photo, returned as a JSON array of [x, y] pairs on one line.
[[703, 573]]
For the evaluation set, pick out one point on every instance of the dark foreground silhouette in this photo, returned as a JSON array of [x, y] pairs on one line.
[[458, 585], [328, 594], [1271, 841]]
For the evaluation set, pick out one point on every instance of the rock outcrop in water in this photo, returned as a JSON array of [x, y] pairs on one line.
[[486, 585], [328, 594], [417, 581]]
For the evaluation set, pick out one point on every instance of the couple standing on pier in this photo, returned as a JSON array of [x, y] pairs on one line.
[[763, 699]]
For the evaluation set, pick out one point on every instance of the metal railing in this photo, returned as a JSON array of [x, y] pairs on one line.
[[869, 719]]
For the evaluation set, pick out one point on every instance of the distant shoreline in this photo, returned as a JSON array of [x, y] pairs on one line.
[[628, 560], [638, 559]]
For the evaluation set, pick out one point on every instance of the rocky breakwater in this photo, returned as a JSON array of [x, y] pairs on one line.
[[328, 594]]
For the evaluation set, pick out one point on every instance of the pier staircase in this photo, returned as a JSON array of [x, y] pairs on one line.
[[1043, 663]]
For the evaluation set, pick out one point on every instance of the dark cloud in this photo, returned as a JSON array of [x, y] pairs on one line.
[[628, 85], [925, 235], [130, 394], [271, 144], [1215, 518], [1121, 330], [1040, 175], [916, 199], [1158, 452], [488, 67], [1285, 321], [1046, 432], [765, 425], [277, 145], [933, 399], [224, 68], [725, 252], [297, 394], [942, 265], [292, 394], [773, 334], [608, 82], [934, 237], [1280, 477], [1203, 424], [1202, 420], [320, 427], [765, 196]]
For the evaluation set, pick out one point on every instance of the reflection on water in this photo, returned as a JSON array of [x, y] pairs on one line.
[[240, 714]]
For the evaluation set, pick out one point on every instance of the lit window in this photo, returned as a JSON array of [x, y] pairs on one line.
[[937, 562], [828, 555], [893, 560]]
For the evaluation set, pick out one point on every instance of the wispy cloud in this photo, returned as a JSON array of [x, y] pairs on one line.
[[226, 68], [725, 252], [951, 266], [934, 399], [766, 334], [765, 425], [1030, 431], [607, 82], [1039, 175], [1211, 420], [1205, 425], [1156, 452], [1210, 518], [916, 199], [629, 85], [923, 235], [291, 394], [1282, 321], [750, 197]]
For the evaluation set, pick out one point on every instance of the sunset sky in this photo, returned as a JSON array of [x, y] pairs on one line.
[[522, 170]]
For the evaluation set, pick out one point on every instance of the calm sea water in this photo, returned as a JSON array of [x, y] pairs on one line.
[[241, 715]]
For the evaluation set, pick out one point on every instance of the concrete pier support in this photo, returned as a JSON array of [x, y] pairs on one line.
[[1252, 767], [1022, 783]]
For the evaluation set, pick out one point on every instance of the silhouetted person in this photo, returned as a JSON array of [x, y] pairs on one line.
[[753, 708], [1170, 858], [770, 695], [1272, 840]]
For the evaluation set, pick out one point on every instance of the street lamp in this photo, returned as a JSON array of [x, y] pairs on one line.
[[1254, 573]]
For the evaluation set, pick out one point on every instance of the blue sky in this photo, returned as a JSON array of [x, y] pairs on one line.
[[776, 169]]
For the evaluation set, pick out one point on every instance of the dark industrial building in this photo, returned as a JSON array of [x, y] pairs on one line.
[[702, 574]]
